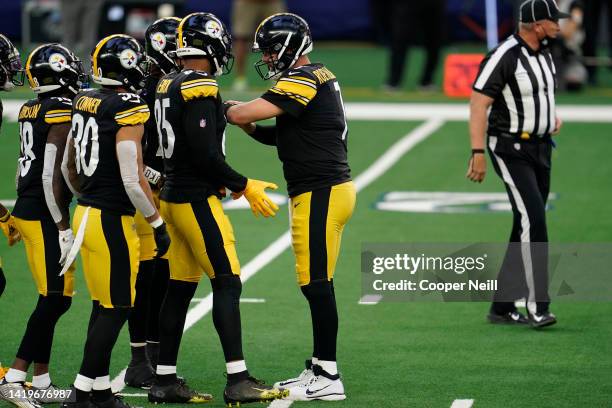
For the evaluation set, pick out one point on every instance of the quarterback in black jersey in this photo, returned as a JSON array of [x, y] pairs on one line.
[[191, 128], [11, 75], [41, 211], [153, 271], [105, 166], [311, 138]]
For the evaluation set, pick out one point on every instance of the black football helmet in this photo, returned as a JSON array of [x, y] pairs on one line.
[[284, 37], [160, 43], [204, 35], [51, 67], [11, 70], [119, 60]]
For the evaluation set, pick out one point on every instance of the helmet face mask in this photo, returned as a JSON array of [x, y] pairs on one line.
[[281, 39], [203, 35], [11, 70], [53, 67], [119, 61]]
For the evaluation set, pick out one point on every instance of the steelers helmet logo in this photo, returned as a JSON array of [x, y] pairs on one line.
[[158, 41], [128, 58], [58, 62], [213, 29]]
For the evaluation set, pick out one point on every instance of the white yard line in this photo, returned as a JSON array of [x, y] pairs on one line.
[[462, 403], [376, 169], [280, 404]]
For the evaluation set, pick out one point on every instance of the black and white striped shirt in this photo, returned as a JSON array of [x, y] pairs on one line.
[[522, 82]]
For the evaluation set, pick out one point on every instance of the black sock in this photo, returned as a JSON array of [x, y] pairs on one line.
[[236, 378], [315, 325], [159, 286], [137, 322], [139, 355], [81, 396], [172, 319], [152, 350], [226, 315], [502, 308], [2, 282], [38, 337], [101, 395], [95, 311], [100, 341], [325, 318]]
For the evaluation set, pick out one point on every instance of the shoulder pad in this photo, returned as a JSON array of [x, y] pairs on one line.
[[58, 110], [198, 85], [129, 109]]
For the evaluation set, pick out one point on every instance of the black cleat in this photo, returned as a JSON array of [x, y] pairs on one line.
[[514, 317], [82, 404], [251, 390], [544, 319], [114, 402], [141, 375], [177, 392]]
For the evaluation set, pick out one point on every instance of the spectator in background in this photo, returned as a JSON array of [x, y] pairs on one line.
[[593, 10], [246, 15], [567, 51], [409, 22], [81, 19]]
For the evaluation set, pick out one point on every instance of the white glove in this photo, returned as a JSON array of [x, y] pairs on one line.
[[66, 239]]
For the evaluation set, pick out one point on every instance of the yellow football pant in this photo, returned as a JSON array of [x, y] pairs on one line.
[[202, 240], [317, 221]]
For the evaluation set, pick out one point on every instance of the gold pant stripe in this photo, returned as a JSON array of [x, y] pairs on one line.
[[202, 240], [110, 255], [317, 223], [42, 249]]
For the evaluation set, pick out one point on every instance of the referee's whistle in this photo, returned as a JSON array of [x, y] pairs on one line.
[[525, 136]]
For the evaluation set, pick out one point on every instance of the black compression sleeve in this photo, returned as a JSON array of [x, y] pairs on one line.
[[200, 128], [265, 135]]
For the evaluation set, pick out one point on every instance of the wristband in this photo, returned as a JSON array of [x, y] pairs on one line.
[[477, 151], [152, 175]]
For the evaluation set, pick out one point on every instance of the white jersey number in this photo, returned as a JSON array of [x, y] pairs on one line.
[[26, 134], [164, 128], [85, 139]]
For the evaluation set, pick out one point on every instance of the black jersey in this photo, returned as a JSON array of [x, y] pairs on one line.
[[151, 151], [191, 126], [97, 116], [311, 135], [36, 117]]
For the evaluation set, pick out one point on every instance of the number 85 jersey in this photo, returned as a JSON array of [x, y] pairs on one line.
[[97, 116]]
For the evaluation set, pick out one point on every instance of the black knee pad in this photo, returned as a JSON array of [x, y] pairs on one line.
[[228, 283], [317, 289]]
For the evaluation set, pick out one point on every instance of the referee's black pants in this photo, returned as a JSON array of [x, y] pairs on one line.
[[524, 167]]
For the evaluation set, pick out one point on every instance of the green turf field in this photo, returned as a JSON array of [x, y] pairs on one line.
[[390, 354]]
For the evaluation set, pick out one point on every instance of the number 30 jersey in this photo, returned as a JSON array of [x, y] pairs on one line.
[[97, 116], [36, 117], [311, 136]]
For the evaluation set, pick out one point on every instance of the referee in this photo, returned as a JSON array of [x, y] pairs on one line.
[[517, 80]]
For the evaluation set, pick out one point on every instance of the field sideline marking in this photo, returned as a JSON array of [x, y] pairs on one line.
[[462, 403], [415, 111], [391, 156]]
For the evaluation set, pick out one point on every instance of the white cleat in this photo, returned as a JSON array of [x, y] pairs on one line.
[[303, 378], [322, 386], [16, 394]]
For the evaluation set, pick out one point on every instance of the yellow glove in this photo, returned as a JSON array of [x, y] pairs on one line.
[[258, 199], [7, 223]]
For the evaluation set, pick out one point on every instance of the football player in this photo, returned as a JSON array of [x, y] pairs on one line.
[[105, 166], [11, 75], [153, 272], [41, 211], [191, 127], [311, 138]]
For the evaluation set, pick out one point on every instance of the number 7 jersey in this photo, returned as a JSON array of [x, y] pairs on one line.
[[97, 116], [311, 136]]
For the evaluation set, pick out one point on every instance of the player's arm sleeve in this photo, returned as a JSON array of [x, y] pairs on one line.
[[292, 93], [69, 168], [264, 134], [127, 154], [200, 128], [54, 187], [494, 72]]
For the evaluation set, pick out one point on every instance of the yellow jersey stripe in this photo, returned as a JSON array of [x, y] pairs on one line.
[[139, 107], [199, 84], [133, 119], [58, 119], [199, 80], [125, 114], [301, 78], [199, 91], [298, 98], [306, 91], [52, 112]]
